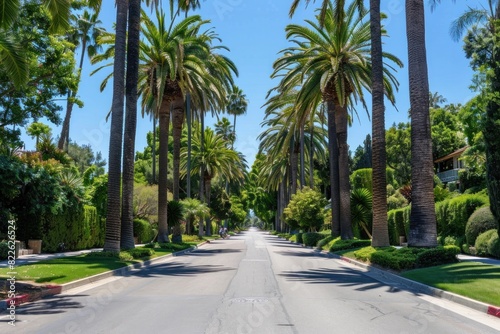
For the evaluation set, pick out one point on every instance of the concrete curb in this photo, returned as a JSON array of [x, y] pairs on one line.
[[57, 289], [413, 285]]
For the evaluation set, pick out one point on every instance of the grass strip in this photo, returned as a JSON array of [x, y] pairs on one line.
[[68, 269], [474, 280]]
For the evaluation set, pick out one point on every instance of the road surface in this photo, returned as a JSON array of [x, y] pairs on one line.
[[251, 283]]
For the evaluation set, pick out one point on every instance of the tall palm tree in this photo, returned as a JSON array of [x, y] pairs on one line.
[[84, 34], [336, 63], [380, 229], [133, 39], [214, 158], [423, 229], [237, 105], [113, 221]]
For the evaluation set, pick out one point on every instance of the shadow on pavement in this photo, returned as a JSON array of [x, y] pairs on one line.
[[178, 269], [344, 277], [48, 305], [209, 252], [299, 254]]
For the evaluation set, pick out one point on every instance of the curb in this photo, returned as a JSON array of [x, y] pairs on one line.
[[413, 285], [57, 289]]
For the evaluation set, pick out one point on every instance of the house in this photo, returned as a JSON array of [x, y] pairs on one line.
[[447, 167]]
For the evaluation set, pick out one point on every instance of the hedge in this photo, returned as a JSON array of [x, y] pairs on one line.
[[76, 228], [311, 238], [399, 224], [480, 221], [143, 231]]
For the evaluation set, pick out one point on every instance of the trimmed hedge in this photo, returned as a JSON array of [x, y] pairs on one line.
[[298, 238], [340, 244], [311, 239], [483, 240], [323, 242], [452, 215], [399, 224], [494, 246], [480, 221], [143, 231], [437, 256], [78, 227]]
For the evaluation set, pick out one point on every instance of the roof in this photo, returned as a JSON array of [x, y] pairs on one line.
[[451, 155]]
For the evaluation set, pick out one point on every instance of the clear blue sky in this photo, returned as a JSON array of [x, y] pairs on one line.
[[254, 32]]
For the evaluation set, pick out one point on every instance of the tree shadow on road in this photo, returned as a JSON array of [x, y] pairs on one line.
[[210, 252], [48, 305], [179, 269], [343, 277]]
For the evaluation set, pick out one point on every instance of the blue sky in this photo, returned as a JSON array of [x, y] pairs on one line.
[[254, 32]]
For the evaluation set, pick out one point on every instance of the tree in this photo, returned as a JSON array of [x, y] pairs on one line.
[[36, 129], [307, 208], [423, 229], [398, 146], [51, 68], [84, 34], [316, 53], [237, 105]]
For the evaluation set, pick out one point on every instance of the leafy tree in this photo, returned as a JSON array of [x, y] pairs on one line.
[[36, 129], [83, 157], [363, 155], [307, 208], [51, 66], [398, 141], [446, 132]]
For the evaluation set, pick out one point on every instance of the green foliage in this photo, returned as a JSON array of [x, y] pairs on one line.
[[174, 217], [4, 250], [83, 158], [483, 240], [398, 147], [396, 201], [140, 252], [339, 244], [311, 239], [494, 246], [362, 178], [480, 221], [76, 227], [399, 224], [298, 238], [96, 193], [437, 256], [452, 214], [361, 211], [325, 241], [440, 193], [146, 201], [363, 155], [365, 253], [306, 208], [446, 131], [143, 230]]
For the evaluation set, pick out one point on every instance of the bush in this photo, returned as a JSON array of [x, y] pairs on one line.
[[298, 238], [480, 221], [482, 241], [311, 239], [139, 253], [323, 242], [143, 231], [494, 246], [364, 254], [452, 215], [401, 259], [340, 244], [437, 256], [4, 250]]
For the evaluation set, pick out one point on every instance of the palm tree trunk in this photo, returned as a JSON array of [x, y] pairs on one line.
[[341, 120], [302, 158], [188, 165], [380, 232], [113, 222], [153, 151], [294, 165], [333, 150], [208, 183], [177, 122], [423, 216], [202, 171], [311, 157], [164, 122], [134, 26]]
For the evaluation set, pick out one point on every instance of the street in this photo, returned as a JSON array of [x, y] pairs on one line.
[[250, 283]]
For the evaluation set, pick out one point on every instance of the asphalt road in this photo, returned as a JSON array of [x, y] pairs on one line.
[[251, 283]]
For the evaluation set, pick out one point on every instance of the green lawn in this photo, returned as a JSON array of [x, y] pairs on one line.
[[475, 280], [67, 269]]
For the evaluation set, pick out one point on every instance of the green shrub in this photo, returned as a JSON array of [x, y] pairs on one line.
[[323, 242], [437, 256], [102, 254], [340, 244], [397, 259], [293, 238], [480, 221], [482, 241], [452, 214], [4, 250], [139, 253], [494, 246], [298, 238], [143, 231], [311, 238], [364, 254]]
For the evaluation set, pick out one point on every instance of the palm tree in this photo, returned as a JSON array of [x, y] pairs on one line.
[[380, 230], [423, 229], [223, 128], [113, 221], [85, 34], [214, 159], [237, 105], [336, 63], [193, 209]]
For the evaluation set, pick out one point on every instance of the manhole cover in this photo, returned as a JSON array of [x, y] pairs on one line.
[[250, 300]]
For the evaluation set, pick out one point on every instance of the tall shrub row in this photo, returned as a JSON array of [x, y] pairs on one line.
[[399, 224], [77, 227]]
